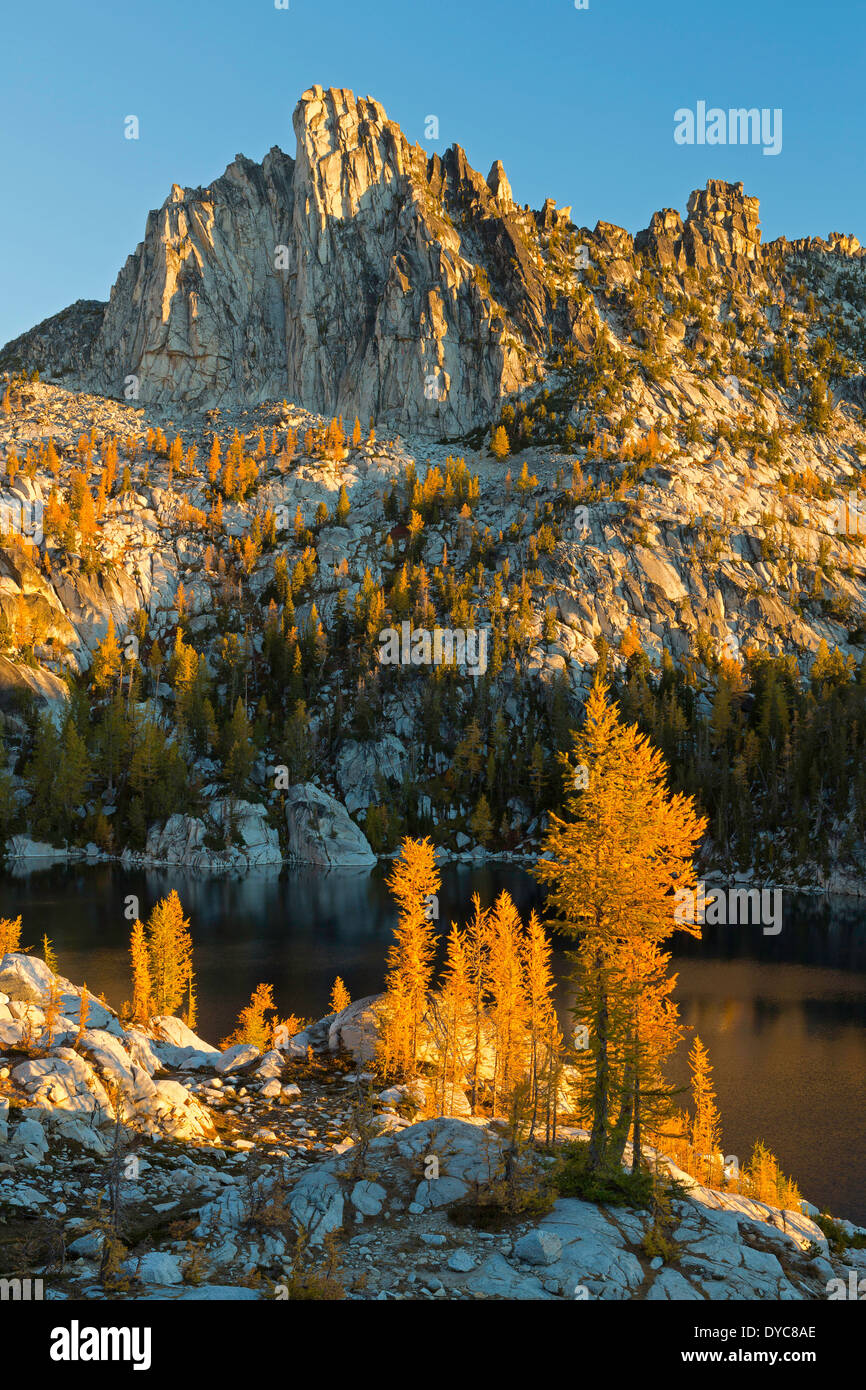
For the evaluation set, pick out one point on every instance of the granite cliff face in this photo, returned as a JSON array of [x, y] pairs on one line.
[[60, 345], [195, 314], [361, 278]]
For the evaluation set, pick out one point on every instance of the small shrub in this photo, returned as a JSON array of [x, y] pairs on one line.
[[309, 1282], [837, 1237], [573, 1177], [657, 1244]]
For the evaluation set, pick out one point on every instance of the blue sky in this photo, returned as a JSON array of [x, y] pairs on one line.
[[579, 105]]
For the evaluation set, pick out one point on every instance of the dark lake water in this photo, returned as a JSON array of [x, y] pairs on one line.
[[784, 1017]]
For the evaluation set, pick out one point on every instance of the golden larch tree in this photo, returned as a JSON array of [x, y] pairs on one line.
[[253, 1026], [612, 864], [477, 970], [706, 1132], [413, 880], [141, 986], [542, 1027], [508, 1004], [499, 445], [450, 1022], [10, 934], [106, 660], [340, 998], [169, 954]]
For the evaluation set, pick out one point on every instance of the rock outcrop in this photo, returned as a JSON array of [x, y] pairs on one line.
[[361, 768], [243, 1158], [236, 836], [83, 1075], [17, 681], [720, 231], [61, 345]]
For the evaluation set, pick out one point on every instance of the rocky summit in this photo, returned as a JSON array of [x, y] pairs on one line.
[[359, 277], [364, 277]]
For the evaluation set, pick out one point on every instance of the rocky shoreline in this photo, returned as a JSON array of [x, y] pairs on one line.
[[200, 1167], [24, 851]]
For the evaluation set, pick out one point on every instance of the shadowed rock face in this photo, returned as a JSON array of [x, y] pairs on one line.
[[60, 345], [320, 831], [197, 313]]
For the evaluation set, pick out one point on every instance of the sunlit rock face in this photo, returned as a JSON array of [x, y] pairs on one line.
[[720, 232], [362, 277]]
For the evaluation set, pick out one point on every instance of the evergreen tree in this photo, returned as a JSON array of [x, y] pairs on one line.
[[158, 776], [141, 985], [240, 752], [10, 935], [106, 661], [481, 822], [509, 1008], [253, 1026], [499, 445], [340, 999], [542, 1027], [341, 511], [450, 1020], [57, 776], [477, 954]]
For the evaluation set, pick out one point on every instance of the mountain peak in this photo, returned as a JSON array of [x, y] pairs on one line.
[[364, 276]]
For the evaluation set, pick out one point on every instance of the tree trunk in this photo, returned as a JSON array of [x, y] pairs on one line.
[[619, 1133], [533, 1081], [598, 1140]]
